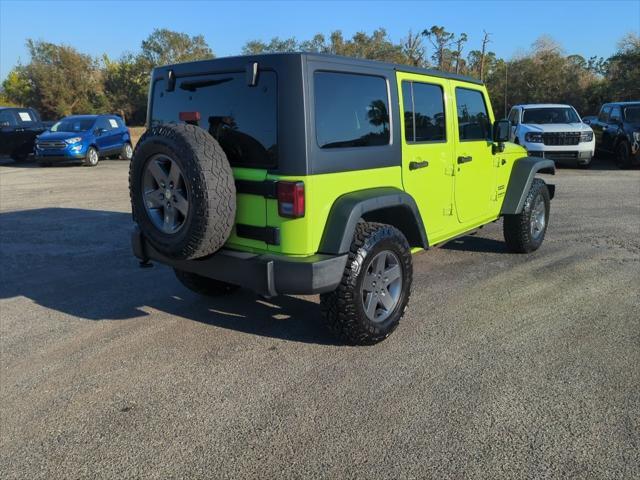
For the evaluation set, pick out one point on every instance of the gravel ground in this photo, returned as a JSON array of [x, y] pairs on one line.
[[505, 366]]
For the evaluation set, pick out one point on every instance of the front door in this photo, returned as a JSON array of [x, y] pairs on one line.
[[427, 148], [600, 125], [611, 129], [475, 175]]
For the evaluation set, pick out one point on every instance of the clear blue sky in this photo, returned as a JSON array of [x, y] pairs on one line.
[[112, 27]]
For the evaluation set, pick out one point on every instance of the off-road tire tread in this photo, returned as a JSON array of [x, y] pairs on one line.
[[339, 307], [203, 285], [212, 189], [516, 228]]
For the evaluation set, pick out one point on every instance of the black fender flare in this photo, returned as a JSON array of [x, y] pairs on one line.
[[522, 175], [385, 205]]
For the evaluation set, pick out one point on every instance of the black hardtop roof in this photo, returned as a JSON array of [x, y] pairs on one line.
[[326, 57]]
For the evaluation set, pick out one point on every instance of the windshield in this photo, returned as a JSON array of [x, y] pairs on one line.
[[73, 125], [632, 114], [550, 115]]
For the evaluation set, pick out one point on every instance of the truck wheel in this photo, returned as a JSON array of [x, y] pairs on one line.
[[91, 158], [375, 288], [182, 191], [203, 285], [525, 231], [127, 151], [623, 155]]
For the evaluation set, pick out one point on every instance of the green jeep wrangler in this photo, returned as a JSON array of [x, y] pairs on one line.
[[316, 174]]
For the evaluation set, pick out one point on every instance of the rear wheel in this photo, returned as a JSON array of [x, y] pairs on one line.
[[524, 232], [91, 158], [376, 284], [623, 155], [203, 285]]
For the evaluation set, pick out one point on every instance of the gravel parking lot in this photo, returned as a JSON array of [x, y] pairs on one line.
[[505, 366]]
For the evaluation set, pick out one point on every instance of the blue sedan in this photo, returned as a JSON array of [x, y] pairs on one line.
[[84, 139]]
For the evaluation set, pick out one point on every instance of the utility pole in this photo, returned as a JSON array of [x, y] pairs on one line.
[[506, 83]]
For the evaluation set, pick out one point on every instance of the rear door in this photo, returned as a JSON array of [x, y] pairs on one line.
[[243, 118], [475, 175], [612, 128], [427, 149]]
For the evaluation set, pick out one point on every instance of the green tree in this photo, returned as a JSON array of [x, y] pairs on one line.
[[126, 83], [276, 45], [60, 80], [623, 69], [17, 88], [441, 40], [164, 47]]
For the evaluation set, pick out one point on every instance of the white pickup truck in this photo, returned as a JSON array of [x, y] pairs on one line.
[[553, 131]]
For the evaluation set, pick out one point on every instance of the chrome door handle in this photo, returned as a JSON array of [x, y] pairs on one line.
[[417, 165], [462, 160]]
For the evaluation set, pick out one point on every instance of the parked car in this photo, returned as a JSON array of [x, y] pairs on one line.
[[19, 128], [617, 132], [308, 173], [553, 131], [84, 138]]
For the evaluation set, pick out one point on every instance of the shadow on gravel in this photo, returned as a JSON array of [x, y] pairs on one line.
[[79, 262], [476, 244]]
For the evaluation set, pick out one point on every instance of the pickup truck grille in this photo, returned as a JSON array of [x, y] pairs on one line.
[[561, 138], [52, 144]]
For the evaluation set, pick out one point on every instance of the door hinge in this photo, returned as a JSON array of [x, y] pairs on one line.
[[448, 210], [449, 171]]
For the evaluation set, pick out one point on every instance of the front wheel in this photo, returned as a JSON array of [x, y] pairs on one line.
[[524, 232], [91, 158], [375, 288]]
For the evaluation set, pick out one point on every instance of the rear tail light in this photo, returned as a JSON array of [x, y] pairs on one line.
[[291, 199], [190, 117]]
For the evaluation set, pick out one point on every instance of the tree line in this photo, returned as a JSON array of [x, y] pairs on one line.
[[59, 80]]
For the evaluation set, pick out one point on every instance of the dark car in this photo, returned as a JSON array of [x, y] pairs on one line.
[[85, 139], [617, 132], [19, 128]]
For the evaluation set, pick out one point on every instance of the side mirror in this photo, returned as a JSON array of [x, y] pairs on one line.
[[98, 131], [501, 131]]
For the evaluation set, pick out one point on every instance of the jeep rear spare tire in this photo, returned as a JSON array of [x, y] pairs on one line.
[[182, 191]]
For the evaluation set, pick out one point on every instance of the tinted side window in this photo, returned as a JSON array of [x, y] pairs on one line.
[[473, 119], [424, 108], [616, 114], [604, 114], [103, 123], [6, 116], [242, 118], [351, 110]]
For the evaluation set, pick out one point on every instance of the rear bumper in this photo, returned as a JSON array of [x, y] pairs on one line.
[[266, 274]]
